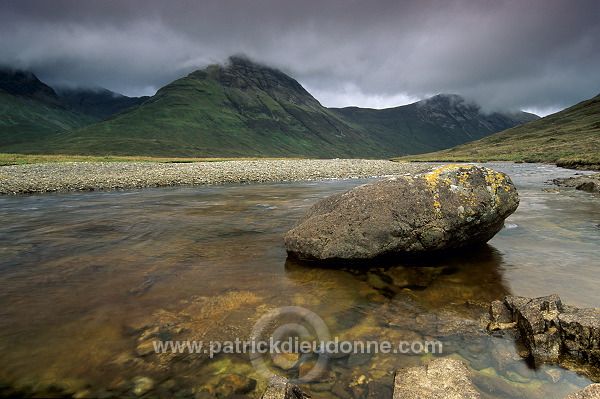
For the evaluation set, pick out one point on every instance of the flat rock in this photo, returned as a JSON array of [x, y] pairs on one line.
[[442, 378], [446, 208]]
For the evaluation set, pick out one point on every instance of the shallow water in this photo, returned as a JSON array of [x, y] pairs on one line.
[[87, 277]]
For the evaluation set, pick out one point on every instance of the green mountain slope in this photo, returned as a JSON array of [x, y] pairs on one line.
[[569, 137], [30, 110], [247, 110], [240, 110], [441, 121]]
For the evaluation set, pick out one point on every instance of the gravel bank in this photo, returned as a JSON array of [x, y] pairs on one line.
[[21, 179]]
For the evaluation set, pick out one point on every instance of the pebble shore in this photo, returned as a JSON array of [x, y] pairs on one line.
[[69, 176]]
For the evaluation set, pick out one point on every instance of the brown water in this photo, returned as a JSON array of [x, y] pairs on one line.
[[88, 278]]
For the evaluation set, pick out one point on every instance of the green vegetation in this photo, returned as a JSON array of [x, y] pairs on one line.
[[30, 109], [21, 159], [23, 119], [243, 110], [569, 138], [442, 121]]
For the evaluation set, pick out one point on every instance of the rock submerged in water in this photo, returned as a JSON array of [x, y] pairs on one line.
[[446, 208], [441, 378]]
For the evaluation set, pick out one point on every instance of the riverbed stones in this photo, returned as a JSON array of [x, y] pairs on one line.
[[446, 208], [442, 378], [67, 176]]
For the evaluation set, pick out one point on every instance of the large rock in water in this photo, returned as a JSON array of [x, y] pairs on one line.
[[449, 207]]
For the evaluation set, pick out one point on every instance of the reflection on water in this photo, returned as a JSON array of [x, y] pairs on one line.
[[88, 280]]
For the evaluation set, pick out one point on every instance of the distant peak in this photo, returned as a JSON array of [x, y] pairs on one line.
[[236, 62], [446, 101], [445, 97], [25, 84], [240, 59]]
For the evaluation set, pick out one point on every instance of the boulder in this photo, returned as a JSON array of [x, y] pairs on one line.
[[446, 208], [442, 378]]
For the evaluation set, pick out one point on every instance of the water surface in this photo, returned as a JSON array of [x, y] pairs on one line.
[[88, 277]]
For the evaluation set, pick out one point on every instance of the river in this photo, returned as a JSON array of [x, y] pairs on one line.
[[89, 279]]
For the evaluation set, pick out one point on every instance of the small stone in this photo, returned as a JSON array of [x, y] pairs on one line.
[[286, 361], [320, 387], [235, 384], [516, 377], [145, 347], [142, 385], [86, 393], [338, 390], [553, 375], [358, 359], [170, 385], [377, 390], [375, 281], [305, 367]]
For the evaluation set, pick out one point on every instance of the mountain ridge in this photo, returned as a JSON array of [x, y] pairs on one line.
[[448, 119], [243, 108], [31, 110]]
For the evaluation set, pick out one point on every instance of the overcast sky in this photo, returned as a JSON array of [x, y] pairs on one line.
[[540, 55]]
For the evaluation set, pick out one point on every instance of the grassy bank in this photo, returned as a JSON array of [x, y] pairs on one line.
[[579, 161], [21, 159]]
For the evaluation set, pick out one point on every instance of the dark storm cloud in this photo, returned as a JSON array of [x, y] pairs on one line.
[[504, 54]]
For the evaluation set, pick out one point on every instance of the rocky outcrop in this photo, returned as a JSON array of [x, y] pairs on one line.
[[446, 208], [548, 328], [589, 183], [442, 378]]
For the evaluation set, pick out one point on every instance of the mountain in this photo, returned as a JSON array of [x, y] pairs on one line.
[[441, 121], [570, 137], [31, 110], [243, 109], [98, 102]]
